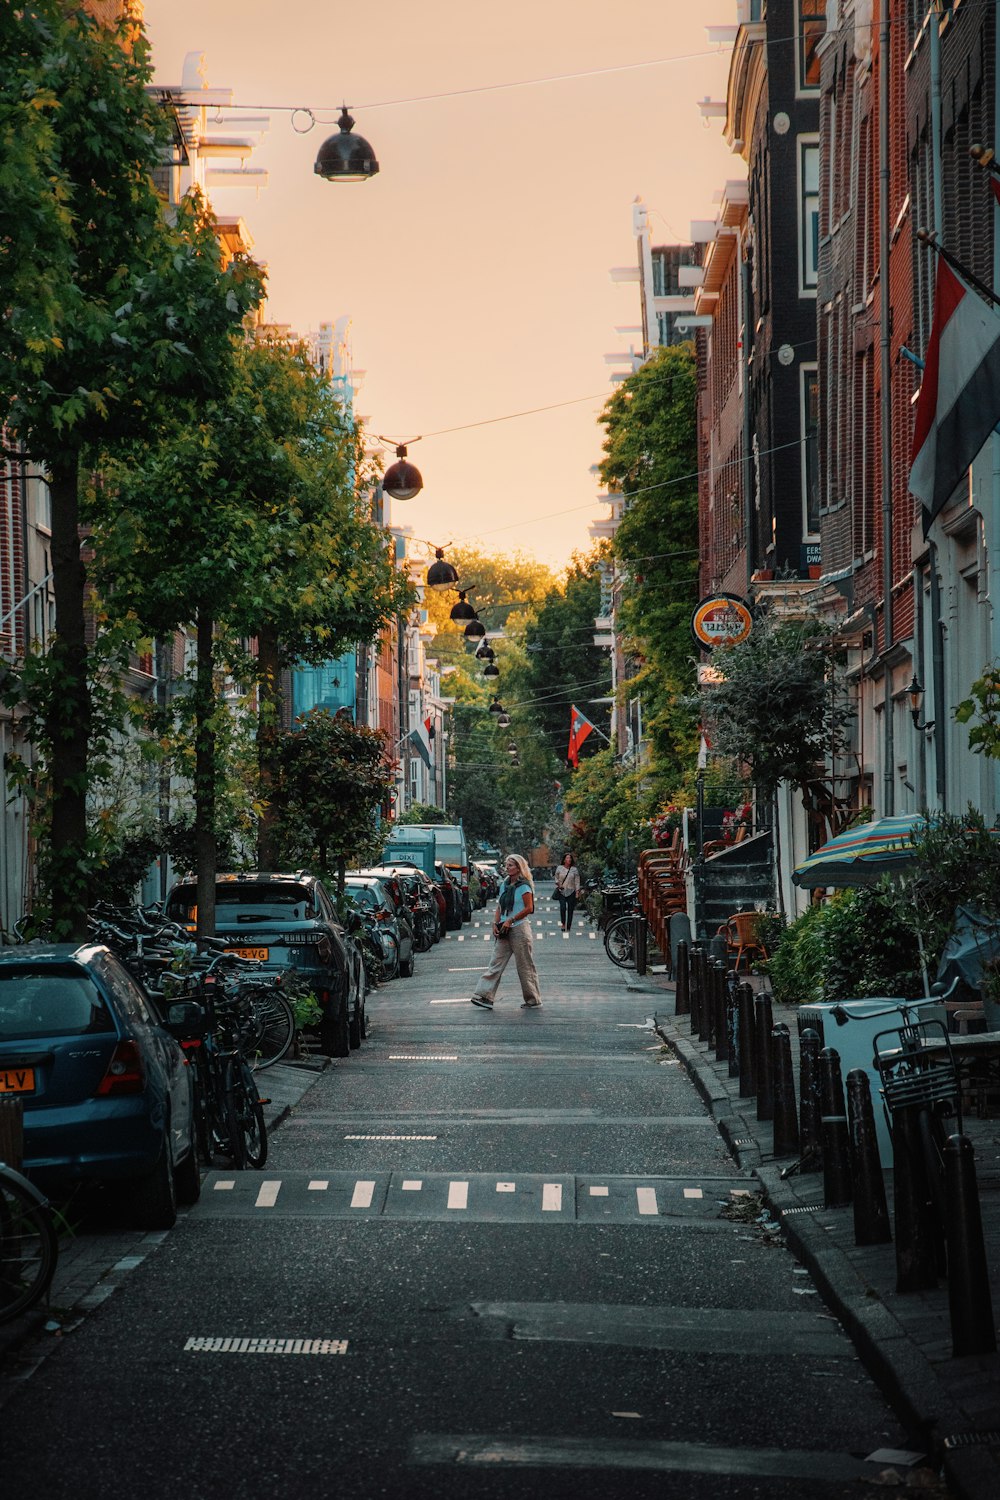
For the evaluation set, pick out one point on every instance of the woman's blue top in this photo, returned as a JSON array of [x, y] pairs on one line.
[[513, 899]]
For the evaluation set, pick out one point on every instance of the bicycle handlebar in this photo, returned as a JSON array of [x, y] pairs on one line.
[[842, 1015]]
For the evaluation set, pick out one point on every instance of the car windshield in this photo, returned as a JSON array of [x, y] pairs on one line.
[[246, 902], [368, 895], [50, 1001]]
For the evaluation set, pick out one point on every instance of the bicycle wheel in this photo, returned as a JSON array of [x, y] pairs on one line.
[[28, 1245], [249, 1127], [274, 1027], [233, 1108], [619, 942]]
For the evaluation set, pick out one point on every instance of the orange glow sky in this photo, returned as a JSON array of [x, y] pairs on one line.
[[475, 266]]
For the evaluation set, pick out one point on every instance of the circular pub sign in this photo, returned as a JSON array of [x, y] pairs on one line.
[[721, 620]]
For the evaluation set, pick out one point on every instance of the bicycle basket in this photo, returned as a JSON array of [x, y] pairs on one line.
[[912, 1071]]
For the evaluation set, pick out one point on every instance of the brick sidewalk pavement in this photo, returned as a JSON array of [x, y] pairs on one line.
[[904, 1339]]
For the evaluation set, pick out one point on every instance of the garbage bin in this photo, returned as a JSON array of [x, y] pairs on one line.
[[853, 1041]]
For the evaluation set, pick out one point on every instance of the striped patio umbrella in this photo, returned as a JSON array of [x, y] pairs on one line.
[[861, 856]]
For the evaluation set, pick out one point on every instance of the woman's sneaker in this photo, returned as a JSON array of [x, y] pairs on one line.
[[482, 1000]]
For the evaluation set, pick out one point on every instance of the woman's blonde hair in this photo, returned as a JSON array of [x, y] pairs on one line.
[[523, 867]]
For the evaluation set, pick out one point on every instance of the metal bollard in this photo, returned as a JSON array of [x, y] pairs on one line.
[[641, 934], [695, 989], [786, 1125], [969, 1300], [720, 1031], [747, 1043], [919, 1247], [834, 1137], [871, 1214], [732, 1023], [682, 994], [809, 1110], [763, 1026], [704, 984]]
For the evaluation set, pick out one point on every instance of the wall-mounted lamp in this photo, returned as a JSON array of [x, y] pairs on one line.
[[915, 693]]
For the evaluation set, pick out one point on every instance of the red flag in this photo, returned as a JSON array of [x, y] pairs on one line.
[[959, 403], [579, 727]]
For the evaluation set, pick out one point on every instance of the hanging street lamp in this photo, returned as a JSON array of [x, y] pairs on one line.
[[463, 610], [490, 670], [475, 628], [485, 652], [402, 480], [441, 575], [496, 707], [345, 157], [503, 720]]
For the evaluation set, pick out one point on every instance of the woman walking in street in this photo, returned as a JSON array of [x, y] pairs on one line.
[[568, 885], [512, 938]]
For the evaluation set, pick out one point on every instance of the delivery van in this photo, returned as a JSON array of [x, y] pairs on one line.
[[452, 851], [411, 844]]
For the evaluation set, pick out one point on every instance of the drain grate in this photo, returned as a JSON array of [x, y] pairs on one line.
[[786, 1211], [264, 1346], [744, 1140]]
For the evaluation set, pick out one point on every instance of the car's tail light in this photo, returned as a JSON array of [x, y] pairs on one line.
[[323, 996], [125, 1073]]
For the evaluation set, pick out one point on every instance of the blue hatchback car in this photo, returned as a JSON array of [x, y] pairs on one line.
[[107, 1092]]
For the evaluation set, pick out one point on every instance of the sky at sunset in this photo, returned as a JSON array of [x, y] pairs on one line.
[[474, 267]]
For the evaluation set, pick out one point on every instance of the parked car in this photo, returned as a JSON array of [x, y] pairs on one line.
[[377, 894], [106, 1089], [289, 922], [454, 915], [424, 901]]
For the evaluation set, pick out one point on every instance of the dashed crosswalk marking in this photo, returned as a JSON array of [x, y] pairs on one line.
[[470, 1197]]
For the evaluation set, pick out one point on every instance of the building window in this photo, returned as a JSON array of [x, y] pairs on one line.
[[811, 28], [810, 450], [808, 212]]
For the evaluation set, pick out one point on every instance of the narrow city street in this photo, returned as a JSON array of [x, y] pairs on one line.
[[490, 1255]]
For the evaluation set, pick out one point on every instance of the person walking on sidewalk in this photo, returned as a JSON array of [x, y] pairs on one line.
[[512, 938], [568, 887]]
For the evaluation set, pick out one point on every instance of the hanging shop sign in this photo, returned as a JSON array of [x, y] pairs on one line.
[[721, 620]]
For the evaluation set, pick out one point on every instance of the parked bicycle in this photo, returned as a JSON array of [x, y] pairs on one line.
[[215, 1028], [29, 1248]]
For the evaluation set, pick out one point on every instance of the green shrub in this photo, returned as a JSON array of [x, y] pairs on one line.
[[858, 944]]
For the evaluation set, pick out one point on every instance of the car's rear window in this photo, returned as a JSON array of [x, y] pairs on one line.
[[368, 895], [50, 1001], [246, 901]]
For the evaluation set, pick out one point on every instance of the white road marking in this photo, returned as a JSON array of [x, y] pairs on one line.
[[505, 1187], [693, 1193], [265, 1346], [461, 937], [646, 1199], [423, 1056], [412, 1185], [458, 1195], [460, 1000], [225, 1186], [552, 1198], [268, 1195], [598, 1192], [592, 936], [364, 1192], [319, 1185], [466, 969]]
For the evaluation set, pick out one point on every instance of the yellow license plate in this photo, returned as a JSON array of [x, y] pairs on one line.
[[259, 953], [17, 1080]]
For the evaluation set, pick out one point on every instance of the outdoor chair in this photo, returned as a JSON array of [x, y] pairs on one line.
[[742, 934]]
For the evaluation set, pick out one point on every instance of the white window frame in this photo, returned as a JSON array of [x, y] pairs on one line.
[[807, 216]]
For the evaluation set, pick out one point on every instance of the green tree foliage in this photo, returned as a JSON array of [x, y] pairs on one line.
[[110, 313], [651, 458], [983, 705], [331, 777], [778, 710], [610, 809], [562, 666]]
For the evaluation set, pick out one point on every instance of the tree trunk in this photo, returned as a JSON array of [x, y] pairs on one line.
[[268, 731], [204, 776], [68, 714]]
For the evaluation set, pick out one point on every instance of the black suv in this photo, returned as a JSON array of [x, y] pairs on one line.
[[290, 922]]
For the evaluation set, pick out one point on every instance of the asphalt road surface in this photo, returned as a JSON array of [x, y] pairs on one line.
[[491, 1255]]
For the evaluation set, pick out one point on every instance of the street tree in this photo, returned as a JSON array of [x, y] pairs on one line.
[[330, 778], [110, 314], [651, 459]]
